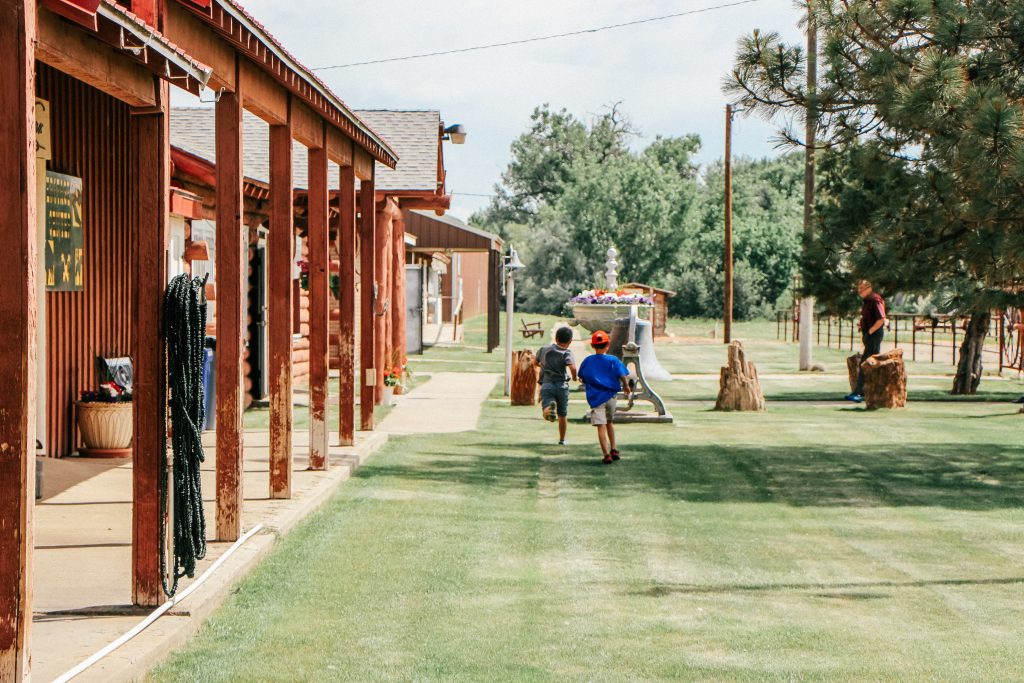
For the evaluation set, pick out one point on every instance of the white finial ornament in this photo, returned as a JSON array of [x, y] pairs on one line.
[[611, 273]]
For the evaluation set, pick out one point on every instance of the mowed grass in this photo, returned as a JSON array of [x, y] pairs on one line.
[[807, 542]]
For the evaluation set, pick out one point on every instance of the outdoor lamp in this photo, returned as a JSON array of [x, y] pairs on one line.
[[512, 260], [456, 133]]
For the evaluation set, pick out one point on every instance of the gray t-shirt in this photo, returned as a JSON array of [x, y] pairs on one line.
[[554, 362]]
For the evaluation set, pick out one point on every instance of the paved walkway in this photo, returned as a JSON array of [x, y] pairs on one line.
[[447, 402]]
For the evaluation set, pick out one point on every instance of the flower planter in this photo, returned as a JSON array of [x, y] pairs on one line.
[[389, 396], [106, 428], [594, 317]]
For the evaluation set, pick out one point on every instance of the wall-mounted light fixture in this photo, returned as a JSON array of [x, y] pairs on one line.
[[456, 133]]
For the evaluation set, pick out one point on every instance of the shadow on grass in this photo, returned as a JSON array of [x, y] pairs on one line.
[[966, 477], [852, 590]]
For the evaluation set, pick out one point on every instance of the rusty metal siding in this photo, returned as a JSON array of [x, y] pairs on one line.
[[90, 140]]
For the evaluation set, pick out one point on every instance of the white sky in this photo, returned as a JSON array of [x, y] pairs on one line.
[[666, 74]]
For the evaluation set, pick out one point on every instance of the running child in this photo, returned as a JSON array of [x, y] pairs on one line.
[[556, 364], [603, 375]]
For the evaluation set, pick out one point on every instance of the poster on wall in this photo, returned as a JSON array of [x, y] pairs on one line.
[[64, 258]]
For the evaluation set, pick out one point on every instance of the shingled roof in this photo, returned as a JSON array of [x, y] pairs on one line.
[[414, 135], [192, 129]]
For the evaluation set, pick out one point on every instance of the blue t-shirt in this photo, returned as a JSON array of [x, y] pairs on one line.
[[601, 374]]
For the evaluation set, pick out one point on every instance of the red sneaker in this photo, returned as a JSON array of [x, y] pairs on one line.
[[607, 460], [614, 454]]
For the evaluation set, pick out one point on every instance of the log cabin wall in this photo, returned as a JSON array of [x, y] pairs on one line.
[[90, 141]]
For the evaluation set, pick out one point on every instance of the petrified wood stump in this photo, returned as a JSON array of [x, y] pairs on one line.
[[852, 368], [739, 388], [885, 380], [524, 379]]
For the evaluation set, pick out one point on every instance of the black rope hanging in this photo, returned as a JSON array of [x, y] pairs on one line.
[[185, 332]]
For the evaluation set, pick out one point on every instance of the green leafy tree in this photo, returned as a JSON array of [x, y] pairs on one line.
[[919, 105]]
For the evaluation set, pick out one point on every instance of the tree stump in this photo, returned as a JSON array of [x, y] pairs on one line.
[[885, 380], [524, 379], [852, 368], [739, 388]]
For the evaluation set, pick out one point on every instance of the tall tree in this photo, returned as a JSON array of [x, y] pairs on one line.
[[919, 104]]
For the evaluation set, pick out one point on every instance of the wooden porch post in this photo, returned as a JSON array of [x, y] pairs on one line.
[[151, 172], [232, 243], [493, 300], [280, 260], [319, 306], [17, 343], [398, 307], [382, 261], [367, 304], [347, 302]]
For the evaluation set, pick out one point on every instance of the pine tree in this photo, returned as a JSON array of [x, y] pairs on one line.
[[919, 109]]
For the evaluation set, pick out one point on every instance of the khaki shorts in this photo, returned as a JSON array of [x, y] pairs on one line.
[[603, 414]]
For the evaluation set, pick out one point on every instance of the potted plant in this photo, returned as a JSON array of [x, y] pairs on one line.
[[104, 419], [400, 362], [596, 309], [334, 281], [391, 380]]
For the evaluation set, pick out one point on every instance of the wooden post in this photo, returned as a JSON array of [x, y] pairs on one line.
[[347, 302], [810, 133], [493, 300], [727, 314], [319, 307], [367, 304], [280, 261], [398, 307], [151, 173], [382, 263], [17, 343], [231, 295]]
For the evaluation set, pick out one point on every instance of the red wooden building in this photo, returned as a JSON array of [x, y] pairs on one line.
[[86, 95]]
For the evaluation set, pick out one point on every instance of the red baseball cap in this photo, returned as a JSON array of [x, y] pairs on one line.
[[599, 338]]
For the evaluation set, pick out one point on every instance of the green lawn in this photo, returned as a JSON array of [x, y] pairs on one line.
[[808, 542]]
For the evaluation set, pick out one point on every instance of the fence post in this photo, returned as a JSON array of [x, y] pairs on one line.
[[851, 333], [953, 325], [913, 339], [1002, 341]]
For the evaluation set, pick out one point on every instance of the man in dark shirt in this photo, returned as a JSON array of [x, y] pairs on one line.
[[872, 329], [556, 364]]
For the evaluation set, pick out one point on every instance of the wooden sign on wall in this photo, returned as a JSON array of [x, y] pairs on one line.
[[64, 258]]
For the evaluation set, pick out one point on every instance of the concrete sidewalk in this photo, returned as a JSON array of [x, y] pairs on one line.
[[448, 402], [82, 562]]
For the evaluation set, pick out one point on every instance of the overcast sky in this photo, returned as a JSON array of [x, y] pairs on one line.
[[666, 74]]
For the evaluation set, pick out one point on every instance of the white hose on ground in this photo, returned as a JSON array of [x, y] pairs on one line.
[[159, 611]]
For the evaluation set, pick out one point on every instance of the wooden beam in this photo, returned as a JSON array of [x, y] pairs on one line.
[[382, 263], [232, 262], [17, 343], [186, 31], [69, 49], [347, 303], [281, 257], [398, 306], [363, 163], [307, 126], [151, 176], [493, 300], [339, 147], [319, 305], [367, 304], [262, 95]]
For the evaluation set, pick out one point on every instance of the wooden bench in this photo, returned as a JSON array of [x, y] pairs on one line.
[[531, 330]]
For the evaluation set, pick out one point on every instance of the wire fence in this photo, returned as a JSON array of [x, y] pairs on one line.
[[933, 338]]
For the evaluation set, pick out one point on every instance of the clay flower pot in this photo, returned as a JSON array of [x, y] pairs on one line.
[[106, 428]]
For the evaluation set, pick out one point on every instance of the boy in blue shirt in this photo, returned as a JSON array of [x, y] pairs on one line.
[[603, 375]]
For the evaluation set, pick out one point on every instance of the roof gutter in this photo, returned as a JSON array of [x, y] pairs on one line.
[[152, 40], [287, 59]]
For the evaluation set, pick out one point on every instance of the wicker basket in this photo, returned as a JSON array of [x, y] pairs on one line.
[[105, 426]]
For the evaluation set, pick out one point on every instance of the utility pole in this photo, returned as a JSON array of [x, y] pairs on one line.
[[727, 314], [807, 303]]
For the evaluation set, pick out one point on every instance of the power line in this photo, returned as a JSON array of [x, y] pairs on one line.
[[538, 39]]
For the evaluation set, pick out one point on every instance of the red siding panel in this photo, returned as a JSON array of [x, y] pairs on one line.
[[90, 140]]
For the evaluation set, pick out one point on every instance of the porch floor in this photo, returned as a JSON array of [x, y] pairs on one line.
[[82, 563]]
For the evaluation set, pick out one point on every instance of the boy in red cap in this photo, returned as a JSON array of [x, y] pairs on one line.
[[603, 375]]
